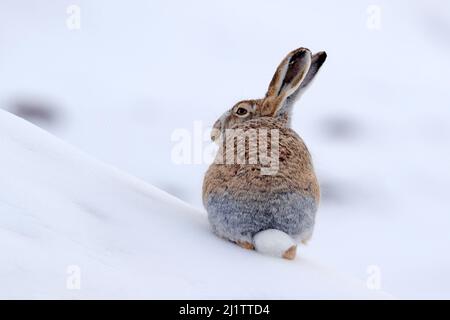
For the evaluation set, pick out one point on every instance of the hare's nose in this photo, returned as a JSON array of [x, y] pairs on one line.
[[215, 132]]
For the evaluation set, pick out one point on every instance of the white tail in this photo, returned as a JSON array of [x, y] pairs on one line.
[[275, 243]]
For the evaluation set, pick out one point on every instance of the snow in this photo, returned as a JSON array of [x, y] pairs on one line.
[[376, 119], [64, 214]]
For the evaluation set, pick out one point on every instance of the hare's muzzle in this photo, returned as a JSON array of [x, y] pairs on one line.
[[216, 131]]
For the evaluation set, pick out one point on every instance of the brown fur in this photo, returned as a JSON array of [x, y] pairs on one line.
[[246, 245], [290, 253], [296, 172]]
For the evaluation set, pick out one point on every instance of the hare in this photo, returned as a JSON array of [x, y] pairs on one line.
[[261, 210]]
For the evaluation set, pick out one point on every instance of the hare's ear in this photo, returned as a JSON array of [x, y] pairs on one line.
[[287, 79], [316, 62]]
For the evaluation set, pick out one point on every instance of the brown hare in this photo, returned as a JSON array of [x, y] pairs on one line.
[[246, 203]]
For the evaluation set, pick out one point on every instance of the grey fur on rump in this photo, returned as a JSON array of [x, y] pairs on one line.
[[240, 220]]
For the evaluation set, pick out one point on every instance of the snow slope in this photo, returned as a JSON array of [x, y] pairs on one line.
[[61, 208]]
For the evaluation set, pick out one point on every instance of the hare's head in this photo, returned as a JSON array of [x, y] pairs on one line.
[[292, 77]]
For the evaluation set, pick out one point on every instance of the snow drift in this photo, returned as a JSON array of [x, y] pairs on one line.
[[64, 214]]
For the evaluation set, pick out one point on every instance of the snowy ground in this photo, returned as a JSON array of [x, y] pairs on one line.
[[377, 120], [72, 227]]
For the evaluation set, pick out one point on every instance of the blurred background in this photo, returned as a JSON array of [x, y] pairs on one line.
[[116, 79]]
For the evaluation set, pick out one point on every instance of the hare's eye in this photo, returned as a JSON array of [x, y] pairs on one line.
[[241, 111]]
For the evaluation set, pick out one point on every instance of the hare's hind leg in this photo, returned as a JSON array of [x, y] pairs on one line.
[[243, 241], [236, 221], [246, 245], [290, 253]]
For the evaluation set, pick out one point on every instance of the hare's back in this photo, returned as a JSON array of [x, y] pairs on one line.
[[239, 198], [293, 171]]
